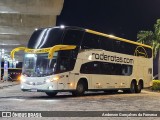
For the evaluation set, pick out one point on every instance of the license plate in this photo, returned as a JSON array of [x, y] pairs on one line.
[[34, 90]]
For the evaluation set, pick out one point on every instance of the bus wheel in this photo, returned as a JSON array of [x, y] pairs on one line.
[[139, 87], [51, 94], [80, 89], [133, 87]]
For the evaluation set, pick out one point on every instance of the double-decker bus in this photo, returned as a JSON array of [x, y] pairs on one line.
[[77, 60]]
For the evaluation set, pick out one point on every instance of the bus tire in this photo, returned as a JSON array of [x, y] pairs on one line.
[[133, 87], [51, 94], [139, 87], [80, 89]]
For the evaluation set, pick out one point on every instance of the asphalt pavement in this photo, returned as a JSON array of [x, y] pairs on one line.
[[5, 84], [13, 99]]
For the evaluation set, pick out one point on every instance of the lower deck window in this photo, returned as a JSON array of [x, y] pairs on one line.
[[106, 68]]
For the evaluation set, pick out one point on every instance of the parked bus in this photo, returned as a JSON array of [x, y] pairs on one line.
[[77, 60]]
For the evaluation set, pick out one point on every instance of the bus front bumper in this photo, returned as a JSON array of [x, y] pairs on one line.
[[40, 90]]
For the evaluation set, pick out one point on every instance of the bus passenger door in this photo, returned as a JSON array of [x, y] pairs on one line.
[[63, 69], [67, 64], [67, 82], [71, 80]]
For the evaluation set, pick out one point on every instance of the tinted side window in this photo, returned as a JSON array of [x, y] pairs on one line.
[[127, 70], [106, 43], [66, 60], [90, 68], [129, 48], [106, 68], [118, 46], [86, 68], [149, 52], [116, 69], [90, 41], [73, 37]]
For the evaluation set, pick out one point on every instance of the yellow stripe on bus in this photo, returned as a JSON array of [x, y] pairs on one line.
[[116, 38], [59, 47], [16, 50], [43, 50]]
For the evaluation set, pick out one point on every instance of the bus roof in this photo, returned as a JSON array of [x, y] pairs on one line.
[[116, 38], [102, 34]]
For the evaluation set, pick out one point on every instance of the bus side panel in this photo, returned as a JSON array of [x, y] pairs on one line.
[[142, 70], [148, 70], [78, 75]]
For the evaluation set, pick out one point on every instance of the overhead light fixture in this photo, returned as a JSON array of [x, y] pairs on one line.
[[30, 55], [2, 51], [9, 44], [62, 26]]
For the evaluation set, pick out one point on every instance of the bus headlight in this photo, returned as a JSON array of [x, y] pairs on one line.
[[22, 78], [56, 78]]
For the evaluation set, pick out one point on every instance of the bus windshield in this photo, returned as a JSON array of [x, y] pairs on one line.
[[38, 65], [44, 38]]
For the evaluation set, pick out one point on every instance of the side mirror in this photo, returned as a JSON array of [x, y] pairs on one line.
[[16, 50]]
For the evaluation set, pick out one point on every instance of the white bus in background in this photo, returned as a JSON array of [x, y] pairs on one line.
[[77, 60]]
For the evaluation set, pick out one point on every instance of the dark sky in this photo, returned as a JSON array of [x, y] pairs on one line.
[[123, 18]]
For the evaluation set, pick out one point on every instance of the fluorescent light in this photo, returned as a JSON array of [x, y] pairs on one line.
[[62, 26], [30, 55], [9, 44]]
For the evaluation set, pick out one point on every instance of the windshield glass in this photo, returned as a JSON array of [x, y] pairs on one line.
[[38, 65], [73, 37], [44, 38]]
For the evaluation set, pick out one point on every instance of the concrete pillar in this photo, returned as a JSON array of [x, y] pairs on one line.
[[19, 18]]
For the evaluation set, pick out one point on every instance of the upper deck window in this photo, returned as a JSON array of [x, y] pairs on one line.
[[44, 38], [90, 41], [73, 37]]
